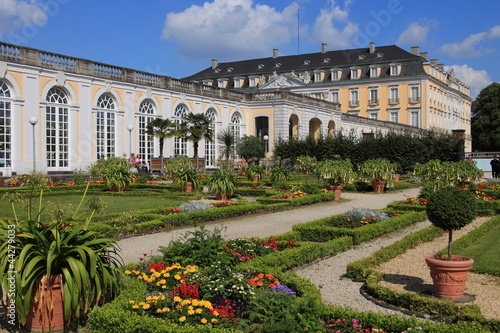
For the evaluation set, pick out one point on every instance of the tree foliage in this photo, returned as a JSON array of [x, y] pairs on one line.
[[486, 119], [251, 148]]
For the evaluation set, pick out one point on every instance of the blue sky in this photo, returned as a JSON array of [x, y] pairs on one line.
[[178, 38]]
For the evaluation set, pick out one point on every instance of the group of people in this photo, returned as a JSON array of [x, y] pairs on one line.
[[138, 162], [495, 167]]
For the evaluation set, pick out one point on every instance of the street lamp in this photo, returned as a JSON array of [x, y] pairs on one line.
[[266, 137], [33, 122], [130, 129]]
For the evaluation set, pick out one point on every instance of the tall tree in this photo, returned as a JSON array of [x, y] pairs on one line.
[[485, 125], [162, 129], [194, 128]]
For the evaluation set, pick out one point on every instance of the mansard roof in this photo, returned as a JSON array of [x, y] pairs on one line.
[[342, 59]]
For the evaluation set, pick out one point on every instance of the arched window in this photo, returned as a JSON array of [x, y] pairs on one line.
[[235, 125], [146, 143], [5, 122], [293, 127], [210, 147], [105, 127], [180, 144], [56, 129]]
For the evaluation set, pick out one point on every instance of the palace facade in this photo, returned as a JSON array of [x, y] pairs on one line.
[[59, 113]]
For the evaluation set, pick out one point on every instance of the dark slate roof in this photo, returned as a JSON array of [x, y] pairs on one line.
[[343, 59]]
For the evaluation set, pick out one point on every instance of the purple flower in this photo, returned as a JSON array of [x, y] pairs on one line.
[[284, 288]]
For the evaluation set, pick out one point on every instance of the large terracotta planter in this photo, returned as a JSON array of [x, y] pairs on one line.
[[337, 189], [449, 277], [378, 186], [189, 187], [46, 309], [220, 196], [256, 178]]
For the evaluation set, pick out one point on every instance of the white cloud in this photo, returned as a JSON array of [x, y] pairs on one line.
[[415, 33], [332, 26], [473, 45], [15, 14], [475, 79], [225, 29]]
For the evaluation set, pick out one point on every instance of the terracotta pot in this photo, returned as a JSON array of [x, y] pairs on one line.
[[449, 277], [337, 189], [256, 178], [189, 187], [220, 196], [46, 308], [396, 177], [378, 186]]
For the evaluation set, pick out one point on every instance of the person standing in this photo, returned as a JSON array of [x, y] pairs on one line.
[[495, 167]]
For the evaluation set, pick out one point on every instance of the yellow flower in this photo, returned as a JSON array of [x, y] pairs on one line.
[[203, 321], [181, 319], [128, 272], [135, 306], [191, 312], [177, 299], [166, 309], [213, 320], [215, 313], [198, 311], [159, 310], [177, 277], [146, 306], [131, 302]]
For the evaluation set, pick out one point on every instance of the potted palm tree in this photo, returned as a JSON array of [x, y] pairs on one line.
[[161, 129], [188, 180], [280, 174], [336, 173], [194, 128], [222, 183], [54, 260], [450, 208], [380, 170], [115, 171], [227, 140], [255, 172]]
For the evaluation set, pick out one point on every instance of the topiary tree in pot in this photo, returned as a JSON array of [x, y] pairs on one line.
[[450, 208]]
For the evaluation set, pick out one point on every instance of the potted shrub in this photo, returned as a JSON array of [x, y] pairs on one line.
[[380, 170], [336, 173], [55, 261], [255, 172], [115, 171], [222, 183], [450, 208], [466, 173], [188, 180], [280, 174]]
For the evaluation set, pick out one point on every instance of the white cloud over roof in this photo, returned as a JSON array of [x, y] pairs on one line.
[[415, 33], [473, 45], [475, 79], [230, 28]]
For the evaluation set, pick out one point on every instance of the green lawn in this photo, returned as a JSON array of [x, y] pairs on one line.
[[114, 204], [485, 252]]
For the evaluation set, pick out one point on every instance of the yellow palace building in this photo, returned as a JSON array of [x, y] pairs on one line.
[[60, 113]]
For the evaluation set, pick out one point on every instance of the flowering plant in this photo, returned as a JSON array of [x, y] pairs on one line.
[[166, 279], [414, 201], [359, 217], [222, 204], [483, 196], [172, 210], [296, 194], [352, 326], [261, 279]]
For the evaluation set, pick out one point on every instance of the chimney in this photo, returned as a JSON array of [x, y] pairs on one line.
[[214, 63], [275, 53], [423, 55], [372, 47], [434, 62], [323, 48], [414, 50]]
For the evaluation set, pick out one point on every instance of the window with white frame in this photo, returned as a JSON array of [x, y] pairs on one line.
[[394, 116], [373, 95], [414, 93], [353, 97], [105, 118], [373, 114], [237, 82], [335, 75], [394, 69], [373, 71], [210, 147], [180, 144], [335, 96], [5, 123], [252, 81], [235, 126], [317, 76], [56, 129], [415, 118], [146, 143], [354, 73], [393, 95]]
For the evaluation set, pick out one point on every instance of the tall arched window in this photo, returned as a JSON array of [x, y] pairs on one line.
[[210, 150], [56, 129], [235, 126], [146, 143], [105, 127], [180, 144], [5, 122]]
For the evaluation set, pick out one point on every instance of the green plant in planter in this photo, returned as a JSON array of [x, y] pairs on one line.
[[115, 171], [379, 169], [223, 182], [176, 165], [254, 170], [280, 174], [451, 208], [466, 172], [335, 172], [183, 177], [33, 250]]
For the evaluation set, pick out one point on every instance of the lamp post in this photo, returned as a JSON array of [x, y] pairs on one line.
[[130, 129], [33, 122], [266, 137]]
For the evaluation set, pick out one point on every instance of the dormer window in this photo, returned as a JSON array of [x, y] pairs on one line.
[[318, 75], [374, 71], [252, 81], [278, 65], [395, 69], [335, 74], [380, 55], [361, 57], [307, 62], [326, 61], [260, 66], [222, 83], [207, 82], [355, 73], [230, 69]]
